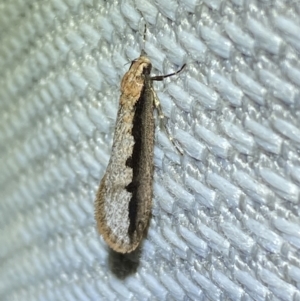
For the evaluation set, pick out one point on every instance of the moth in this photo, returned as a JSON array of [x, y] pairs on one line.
[[124, 197]]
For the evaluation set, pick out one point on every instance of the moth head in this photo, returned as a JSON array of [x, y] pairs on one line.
[[142, 63], [147, 66]]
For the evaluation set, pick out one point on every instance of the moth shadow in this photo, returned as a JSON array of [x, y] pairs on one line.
[[123, 265]]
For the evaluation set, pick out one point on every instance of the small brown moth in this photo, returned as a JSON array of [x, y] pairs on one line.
[[123, 202]]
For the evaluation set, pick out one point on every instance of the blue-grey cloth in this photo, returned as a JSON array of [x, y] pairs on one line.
[[225, 218]]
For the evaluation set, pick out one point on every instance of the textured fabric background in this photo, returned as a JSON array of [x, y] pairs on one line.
[[225, 222]]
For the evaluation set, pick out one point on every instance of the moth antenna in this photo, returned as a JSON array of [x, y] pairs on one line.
[[143, 52], [144, 36]]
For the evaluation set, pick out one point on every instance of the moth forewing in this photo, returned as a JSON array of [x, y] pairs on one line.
[[123, 202]]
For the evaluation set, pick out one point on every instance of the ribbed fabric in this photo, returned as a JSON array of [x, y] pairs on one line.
[[225, 218]]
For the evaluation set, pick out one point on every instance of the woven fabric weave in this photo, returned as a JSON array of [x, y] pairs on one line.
[[225, 218]]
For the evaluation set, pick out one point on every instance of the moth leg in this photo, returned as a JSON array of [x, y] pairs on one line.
[[161, 117]]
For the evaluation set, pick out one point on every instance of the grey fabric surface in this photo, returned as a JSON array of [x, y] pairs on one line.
[[225, 219]]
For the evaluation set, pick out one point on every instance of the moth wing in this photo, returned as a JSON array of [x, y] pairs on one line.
[[112, 213], [123, 203], [112, 201]]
